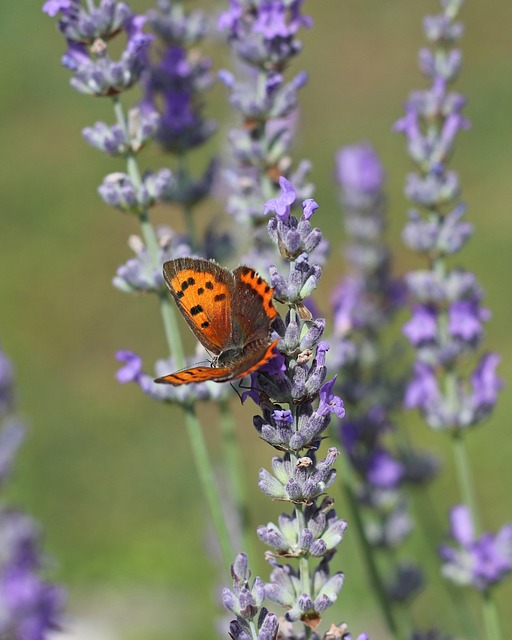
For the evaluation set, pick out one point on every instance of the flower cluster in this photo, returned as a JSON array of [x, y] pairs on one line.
[[481, 561], [245, 601], [296, 379], [447, 324], [29, 607], [447, 314], [139, 274], [87, 32], [174, 85], [263, 35]]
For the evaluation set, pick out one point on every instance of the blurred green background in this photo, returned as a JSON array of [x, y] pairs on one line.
[[108, 472]]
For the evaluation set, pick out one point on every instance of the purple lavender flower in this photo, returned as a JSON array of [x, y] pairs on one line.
[[177, 83], [245, 601], [118, 190], [6, 384], [116, 141], [138, 274], [298, 381], [174, 86], [448, 317], [264, 32], [85, 25], [186, 395], [263, 35], [481, 561], [29, 606], [359, 172], [11, 437], [87, 34], [364, 304]]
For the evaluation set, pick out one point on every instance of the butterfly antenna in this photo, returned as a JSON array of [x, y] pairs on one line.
[[235, 389]]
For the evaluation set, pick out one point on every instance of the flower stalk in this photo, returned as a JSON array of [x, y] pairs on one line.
[[96, 74], [447, 324]]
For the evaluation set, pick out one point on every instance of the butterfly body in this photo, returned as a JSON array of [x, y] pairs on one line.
[[229, 312]]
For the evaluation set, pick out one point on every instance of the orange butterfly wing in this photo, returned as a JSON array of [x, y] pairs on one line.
[[230, 313], [196, 374], [203, 292]]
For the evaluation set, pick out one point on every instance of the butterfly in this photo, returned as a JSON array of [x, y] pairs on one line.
[[229, 312]]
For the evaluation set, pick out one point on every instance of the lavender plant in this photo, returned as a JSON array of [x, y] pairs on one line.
[[296, 403], [303, 543], [364, 305], [89, 32], [447, 324], [30, 607], [174, 86], [263, 37]]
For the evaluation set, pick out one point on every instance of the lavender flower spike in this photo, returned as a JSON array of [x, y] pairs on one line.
[[312, 532], [446, 329], [29, 606]]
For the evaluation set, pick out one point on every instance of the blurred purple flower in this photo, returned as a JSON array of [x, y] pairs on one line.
[[478, 562], [359, 169]]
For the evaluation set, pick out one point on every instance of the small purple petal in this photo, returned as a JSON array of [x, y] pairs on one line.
[[309, 207], [132, 369]]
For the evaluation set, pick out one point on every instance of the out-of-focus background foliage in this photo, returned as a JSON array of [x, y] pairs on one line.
[[107, 471]]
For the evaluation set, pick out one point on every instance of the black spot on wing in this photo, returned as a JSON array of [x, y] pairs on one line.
[[219, 297], [195, 310]]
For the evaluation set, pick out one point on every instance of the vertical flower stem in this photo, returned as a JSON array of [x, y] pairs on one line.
[[203, 463], [304, 573], [464, 477], [430, 528], [368, 553], [209, 486], [489, 612], [491, 619], [236, 476]]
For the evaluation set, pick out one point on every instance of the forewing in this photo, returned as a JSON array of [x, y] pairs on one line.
[[196, 374], [203, 291], [253, 308]]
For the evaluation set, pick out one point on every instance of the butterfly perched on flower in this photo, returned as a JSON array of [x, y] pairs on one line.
[[230, 313]]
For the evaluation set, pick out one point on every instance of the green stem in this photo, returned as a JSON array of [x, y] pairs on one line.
[[491, 618], [254, 631], [236, 476], [466, 486], [368, 552], [209, 486], [430, 527], [203, 463]]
